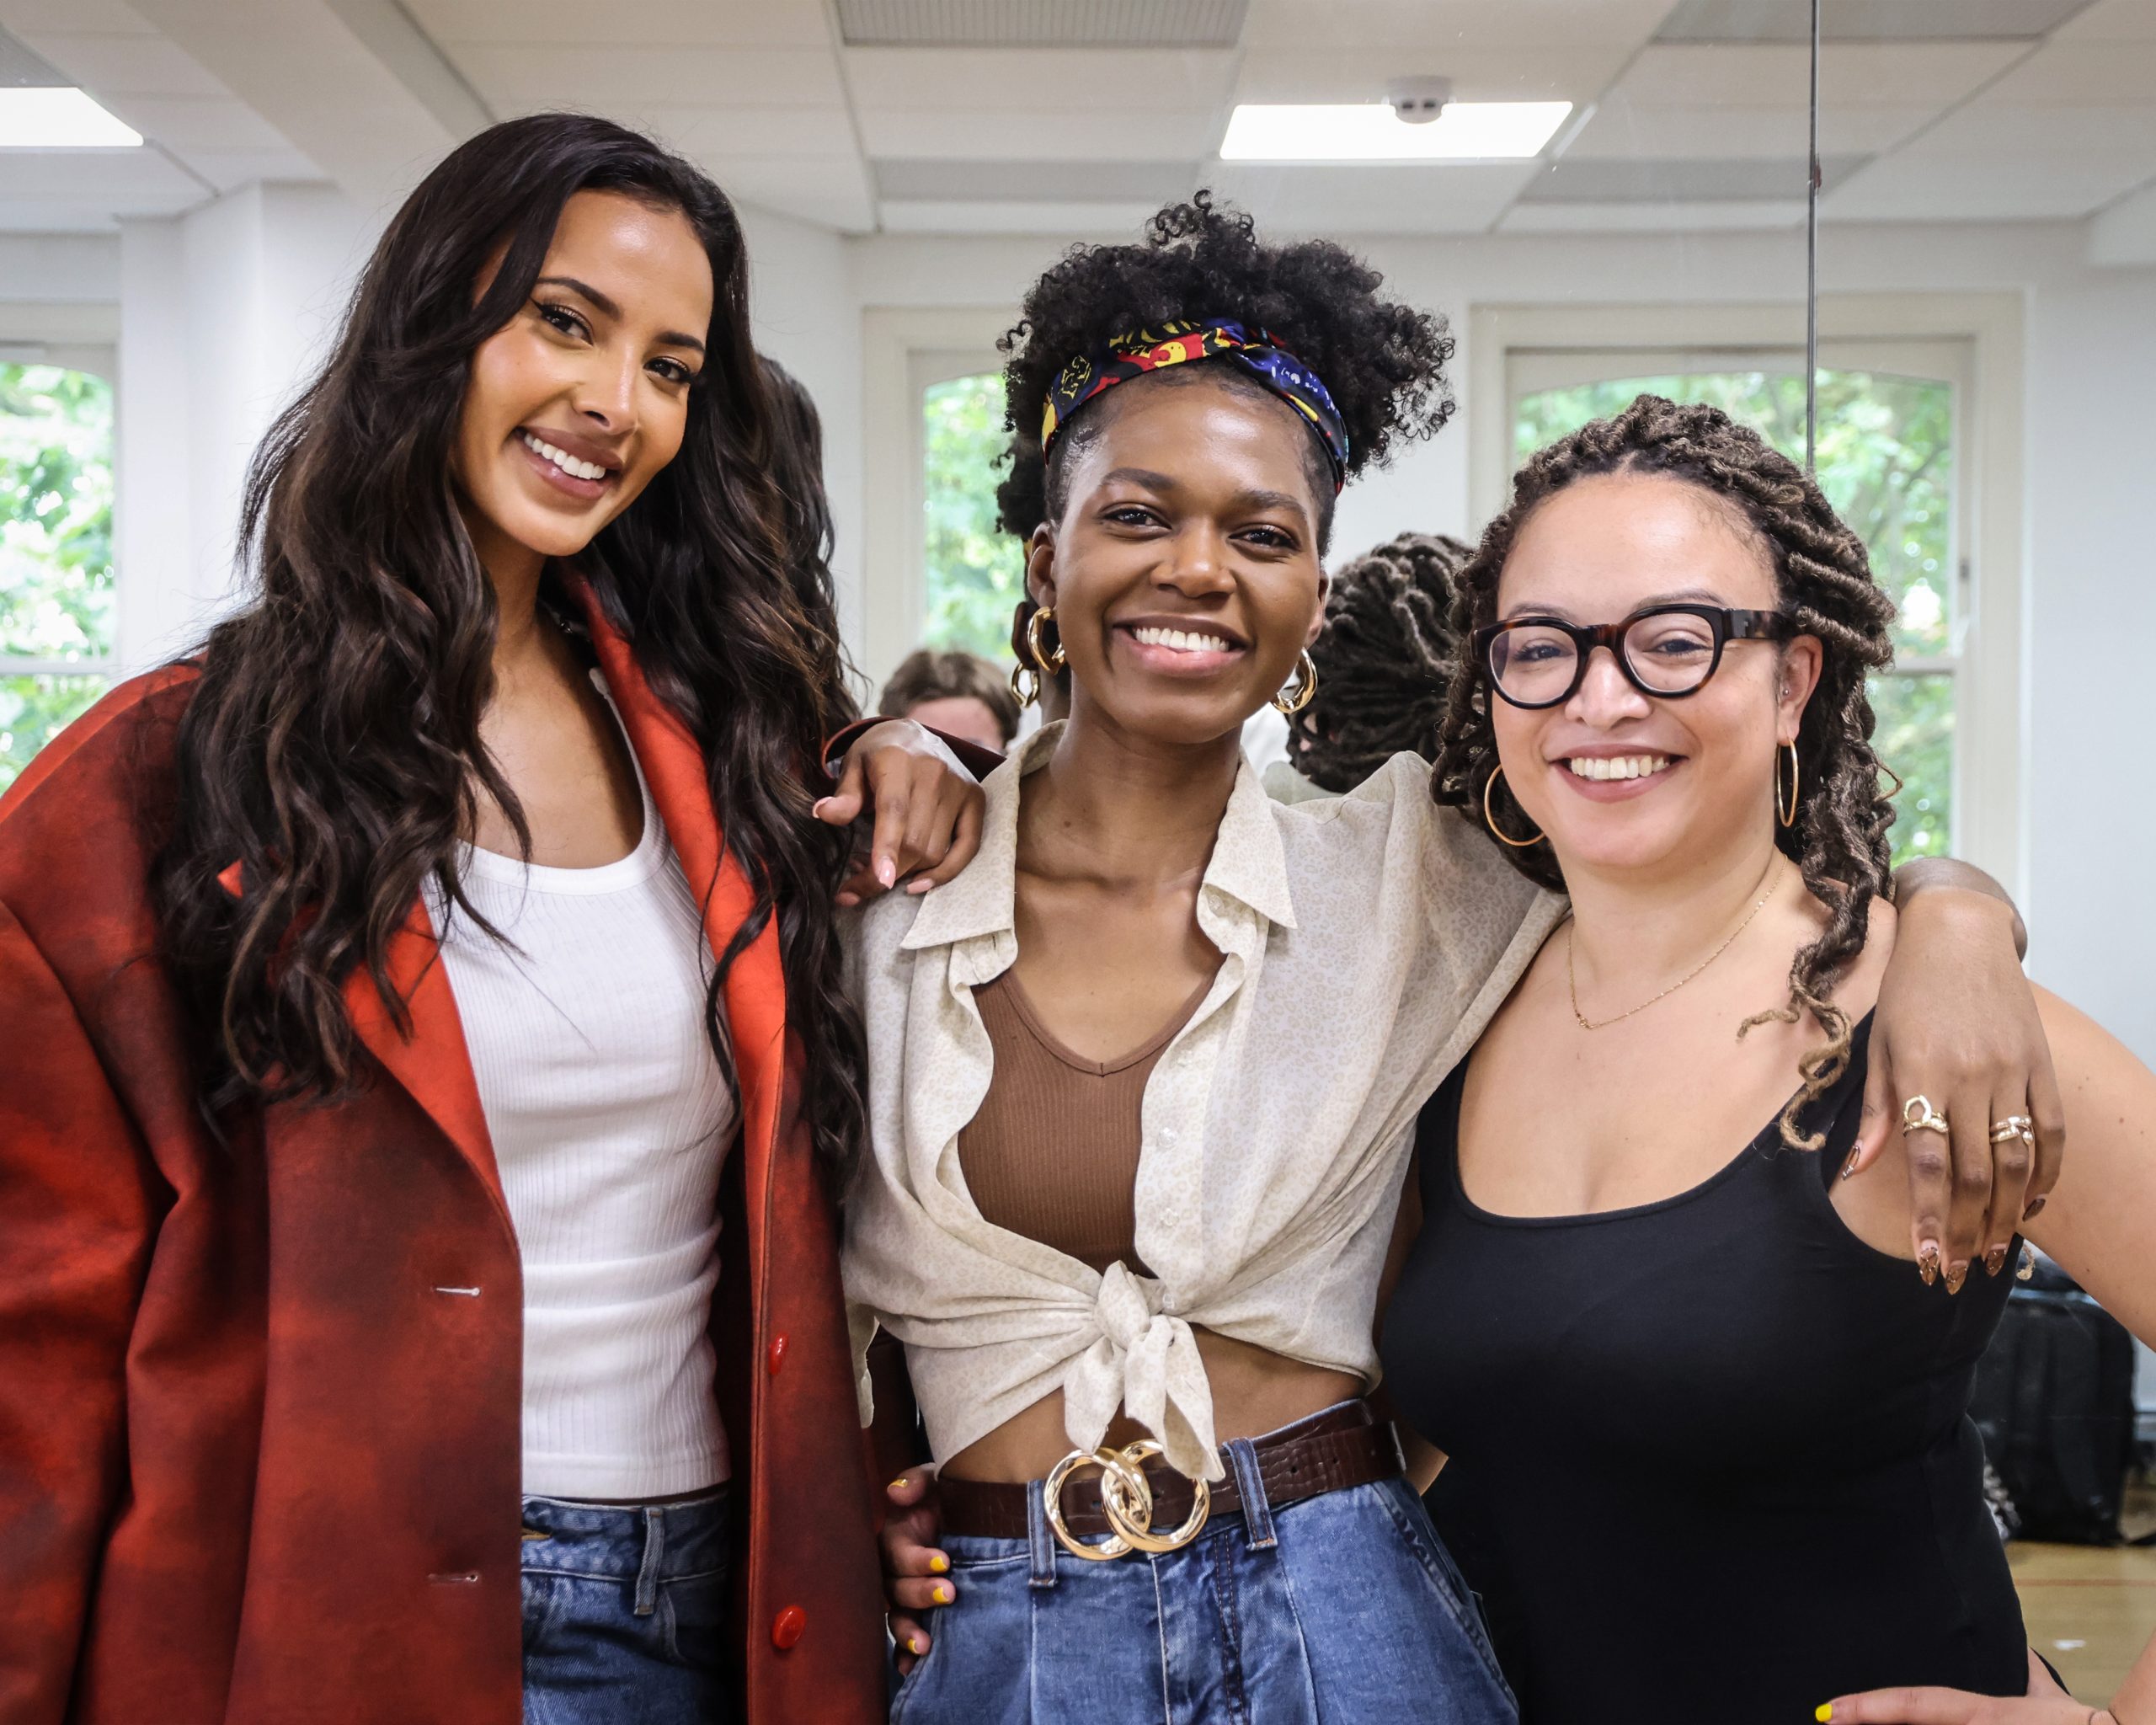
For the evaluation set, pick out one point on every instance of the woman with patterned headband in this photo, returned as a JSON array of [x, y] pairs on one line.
[[1143, 1077]]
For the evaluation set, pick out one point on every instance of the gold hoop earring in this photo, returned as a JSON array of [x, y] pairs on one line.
[[1025, 694], [1786, 811], [1306, 687], [1489, 819], [1046, 663]]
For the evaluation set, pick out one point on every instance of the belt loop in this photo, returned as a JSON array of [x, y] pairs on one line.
[[1040, 1540], [1250, 1486], [654, 1546]]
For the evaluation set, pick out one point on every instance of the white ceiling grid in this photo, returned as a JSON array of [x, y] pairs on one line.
[[1068, 116]]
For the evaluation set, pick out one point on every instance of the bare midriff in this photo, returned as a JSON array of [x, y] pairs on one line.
[[1255, 1391]]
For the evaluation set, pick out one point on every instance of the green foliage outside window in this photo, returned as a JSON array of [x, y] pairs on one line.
[[1886, 463], [976, 573], [55, 549]]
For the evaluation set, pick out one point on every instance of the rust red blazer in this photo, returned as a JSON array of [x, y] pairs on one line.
[[254, 1468]]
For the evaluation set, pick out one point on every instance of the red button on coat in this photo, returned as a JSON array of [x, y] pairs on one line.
[[788, 1627], [777, 1357]]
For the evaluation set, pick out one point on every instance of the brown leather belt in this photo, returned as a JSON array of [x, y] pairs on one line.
[[1342, 1446]]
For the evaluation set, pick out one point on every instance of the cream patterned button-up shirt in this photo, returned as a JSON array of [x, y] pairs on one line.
[[1365, 940]]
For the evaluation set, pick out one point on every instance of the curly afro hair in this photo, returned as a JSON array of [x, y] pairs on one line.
[[1385, 662], [1384, 362]]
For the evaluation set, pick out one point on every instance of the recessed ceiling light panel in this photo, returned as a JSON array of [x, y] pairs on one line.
[[1466, 132], [59, 119]]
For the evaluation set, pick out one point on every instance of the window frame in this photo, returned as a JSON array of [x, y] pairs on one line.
[[79, 337], [905, 351], [1544, 346]]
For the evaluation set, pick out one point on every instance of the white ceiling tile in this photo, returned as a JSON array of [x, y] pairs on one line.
[[1061, 82], [2073, 74], [145, 66], [768, 23], [1851, 75], [817, 134], [1024, 136], [227, 168], [833, 192], [106, 18], [1656, 133], [188, 123], [1649, 218], [1570, 71], [2111, 21], [1107, 220], [1450, 198], [523, 75], [1464, 23]]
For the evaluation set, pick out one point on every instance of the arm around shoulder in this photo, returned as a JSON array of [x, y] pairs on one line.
[[78, 1212]]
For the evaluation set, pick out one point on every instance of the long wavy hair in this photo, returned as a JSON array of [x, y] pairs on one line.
[[332, 745], [1838, 839]]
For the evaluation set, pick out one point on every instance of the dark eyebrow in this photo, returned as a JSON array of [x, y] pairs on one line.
[[668, 338], [1683, 595], [1248, 499]]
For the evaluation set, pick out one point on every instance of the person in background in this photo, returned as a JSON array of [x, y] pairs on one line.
[[959, 694], [1383, 664], [424, 1064]]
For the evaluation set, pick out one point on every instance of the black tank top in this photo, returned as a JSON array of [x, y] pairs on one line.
[[1710, 1458]]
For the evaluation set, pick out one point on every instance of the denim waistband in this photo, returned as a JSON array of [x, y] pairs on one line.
[[652, 1541]]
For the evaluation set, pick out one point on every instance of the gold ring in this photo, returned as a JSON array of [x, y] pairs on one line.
[[2019, 1126], [1112, 1468], [1918, 1115], [1136, 1527]]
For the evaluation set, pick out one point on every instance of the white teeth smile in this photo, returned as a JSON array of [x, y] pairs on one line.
[[568, 463], [1180, 640], [1607, 766]]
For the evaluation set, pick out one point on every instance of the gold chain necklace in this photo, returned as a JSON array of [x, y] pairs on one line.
[[1572, 980]]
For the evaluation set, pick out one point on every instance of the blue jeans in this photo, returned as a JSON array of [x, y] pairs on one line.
[[1340, 1609], [624, 1613]]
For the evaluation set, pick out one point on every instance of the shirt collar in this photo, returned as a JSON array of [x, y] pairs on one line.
[[1248, 863]]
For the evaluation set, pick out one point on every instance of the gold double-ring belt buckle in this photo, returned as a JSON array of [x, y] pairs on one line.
[[1111, 1466], [1918, 1115], [1127, 1500]]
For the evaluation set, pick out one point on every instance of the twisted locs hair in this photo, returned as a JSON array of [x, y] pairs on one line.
[[332, 743], [1385, 662], [1823, 579]]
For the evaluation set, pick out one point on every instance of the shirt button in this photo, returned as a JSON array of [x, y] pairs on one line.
[[776, 1357], [788, 1627]]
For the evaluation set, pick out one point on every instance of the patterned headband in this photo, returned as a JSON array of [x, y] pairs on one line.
[[1142, 351]]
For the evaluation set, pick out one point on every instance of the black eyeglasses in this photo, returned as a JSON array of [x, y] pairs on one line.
[[1667, 651]]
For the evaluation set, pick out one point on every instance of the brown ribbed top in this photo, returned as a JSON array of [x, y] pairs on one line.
[[1052, 1152]]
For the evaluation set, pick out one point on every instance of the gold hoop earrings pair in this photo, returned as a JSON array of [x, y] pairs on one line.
[[1298, 694], [1490, 819], [1046, 661], [1785, 811]]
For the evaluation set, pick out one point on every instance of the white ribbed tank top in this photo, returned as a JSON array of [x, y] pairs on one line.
[[610, 1120]]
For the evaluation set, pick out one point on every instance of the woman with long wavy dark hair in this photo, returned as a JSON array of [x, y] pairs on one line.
[[1709, 1450], [384, 989]]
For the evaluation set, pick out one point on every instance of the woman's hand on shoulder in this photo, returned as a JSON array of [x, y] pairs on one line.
[[916, 1576], [1957, 1027], [2045, 1703], [926, 806]]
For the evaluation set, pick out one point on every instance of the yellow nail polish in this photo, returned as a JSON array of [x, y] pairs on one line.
[[913, 1645], [1823, 1712], [939, 1564], [941, 1595], [899, 1483]]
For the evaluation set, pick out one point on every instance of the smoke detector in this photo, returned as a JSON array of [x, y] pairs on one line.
[[1419, 100]]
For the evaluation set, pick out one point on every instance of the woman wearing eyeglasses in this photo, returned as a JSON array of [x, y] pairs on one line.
[[1142, 1078], [1709, 1452]]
